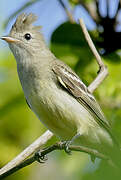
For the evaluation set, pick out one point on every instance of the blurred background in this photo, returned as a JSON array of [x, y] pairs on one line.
[[18, 125]]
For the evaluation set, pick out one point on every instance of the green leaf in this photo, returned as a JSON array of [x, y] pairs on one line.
[[75, 2], [68, 44]]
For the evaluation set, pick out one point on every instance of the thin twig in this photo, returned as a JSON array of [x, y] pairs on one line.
[[58, 146], [97, 3], [118, 10], [91, 10], [69, 15], [90, 43], [102, 68]]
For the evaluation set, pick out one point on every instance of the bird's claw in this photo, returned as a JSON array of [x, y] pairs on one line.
[[65, 146], [40, 158]]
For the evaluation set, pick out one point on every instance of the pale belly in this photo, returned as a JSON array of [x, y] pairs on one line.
[[65, 117]]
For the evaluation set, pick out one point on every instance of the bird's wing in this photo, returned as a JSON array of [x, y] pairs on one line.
[[72, 83]]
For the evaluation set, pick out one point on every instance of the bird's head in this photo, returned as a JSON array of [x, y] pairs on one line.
[[24, 38]]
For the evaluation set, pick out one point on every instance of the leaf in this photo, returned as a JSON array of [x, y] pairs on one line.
[[68, 44], [76, 2]]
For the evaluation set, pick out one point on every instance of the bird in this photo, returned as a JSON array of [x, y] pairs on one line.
[[55, 93]]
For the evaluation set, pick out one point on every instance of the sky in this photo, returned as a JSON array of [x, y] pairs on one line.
[[50, 14]]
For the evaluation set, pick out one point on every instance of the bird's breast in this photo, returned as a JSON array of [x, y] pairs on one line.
[[53, 110], [57, 109]]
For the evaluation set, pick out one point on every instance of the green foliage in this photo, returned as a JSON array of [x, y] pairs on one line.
[[75, 2]]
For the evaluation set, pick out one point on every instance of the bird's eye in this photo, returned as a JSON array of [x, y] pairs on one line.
[[27, 36]]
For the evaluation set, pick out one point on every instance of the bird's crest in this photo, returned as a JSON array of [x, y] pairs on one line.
[[24, 22]]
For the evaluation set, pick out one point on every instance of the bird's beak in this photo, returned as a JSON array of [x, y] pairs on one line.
[[9, 39]]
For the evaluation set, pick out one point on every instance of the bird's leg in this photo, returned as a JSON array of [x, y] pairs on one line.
[[41, 155], [67, 143]]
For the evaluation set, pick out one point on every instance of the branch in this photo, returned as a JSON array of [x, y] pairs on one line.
[[27, 152], [91, 10], [40, 156], [69, 15], [102, 68], [98, 9], [118, 10]]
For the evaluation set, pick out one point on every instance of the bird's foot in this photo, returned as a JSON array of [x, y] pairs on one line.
[[65, 145], [40, 158]]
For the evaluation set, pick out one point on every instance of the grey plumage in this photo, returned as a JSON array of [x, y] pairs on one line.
[[24, 22]]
